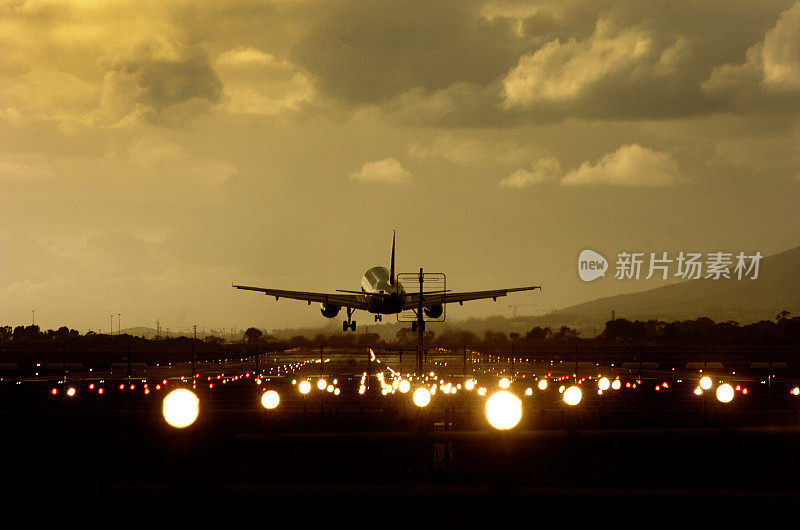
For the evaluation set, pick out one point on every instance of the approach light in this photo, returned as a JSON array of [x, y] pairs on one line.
[[616, 384], [504, 383], [404, 386], [705, 382], [529, 391], [503, 410], [322, 384], [421, 397], [304, 387], [469, 384], [181, 407], [542, 384], [572, 395], [724, 393], [604, 383], [796, 391], [698, 391], [270, 399]]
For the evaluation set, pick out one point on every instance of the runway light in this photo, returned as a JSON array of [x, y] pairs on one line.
[[270, 399], [481, 391], [724, 393], [54, 391], [528, 391], [503, 410], [336, 391], [795, 391], [404, 386], [572, 396], [469, 384], [604, 383], [421, 397], [504, 383], [705, 382], [561, 389], [70, 391], [304, 387], [543, 384], [181, 408], [616, 384], [321, 384], [329, 388]]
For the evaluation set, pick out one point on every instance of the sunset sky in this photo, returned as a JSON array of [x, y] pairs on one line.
[[154, 153]]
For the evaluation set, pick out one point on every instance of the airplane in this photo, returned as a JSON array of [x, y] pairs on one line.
[[381, 294]]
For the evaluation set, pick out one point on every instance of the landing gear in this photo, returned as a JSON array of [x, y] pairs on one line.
[[349, 324]]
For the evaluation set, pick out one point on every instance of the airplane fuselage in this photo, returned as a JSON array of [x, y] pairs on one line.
[[382, 297]]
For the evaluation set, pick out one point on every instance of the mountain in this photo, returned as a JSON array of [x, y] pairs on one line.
[[776, 289]]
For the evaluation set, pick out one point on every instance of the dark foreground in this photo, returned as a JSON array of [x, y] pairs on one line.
[[643, 457]]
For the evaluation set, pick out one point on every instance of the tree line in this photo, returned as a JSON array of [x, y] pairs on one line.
[[783, 329]]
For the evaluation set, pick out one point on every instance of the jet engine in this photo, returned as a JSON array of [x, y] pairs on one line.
[[330, 310], [434, 311]]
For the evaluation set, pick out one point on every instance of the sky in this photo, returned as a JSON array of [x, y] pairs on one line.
[[154, 153]]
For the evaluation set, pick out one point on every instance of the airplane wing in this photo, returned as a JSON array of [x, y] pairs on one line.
[[412, 299], [344, 300]]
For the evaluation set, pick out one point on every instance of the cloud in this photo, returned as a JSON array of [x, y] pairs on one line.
[[256, 82], [565, 71], [630, 165], [386, 171], [372, 52], [771, 71], [545, 169], [160, 88]]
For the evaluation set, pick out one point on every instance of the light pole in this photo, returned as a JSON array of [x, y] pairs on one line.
[[112, 323], [119, 319]]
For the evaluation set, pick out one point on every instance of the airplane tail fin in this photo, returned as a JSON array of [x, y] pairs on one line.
[[391, 270]]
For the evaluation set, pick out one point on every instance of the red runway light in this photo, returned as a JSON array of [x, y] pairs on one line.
[[55, 391]]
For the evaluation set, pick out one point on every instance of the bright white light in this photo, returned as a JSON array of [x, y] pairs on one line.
[[697, 391], [528, 391], [321, 384], [725, 393], [181, 408], [70, 391], [481, 391], [336, 391], [542, 384], [304, 387], [504, 383], [329, 388], [404, 386], [503, 410], [469, 384], [572, 395], [705, 382], [421, 397], [604, 383], [616, 384], [270, 399]]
